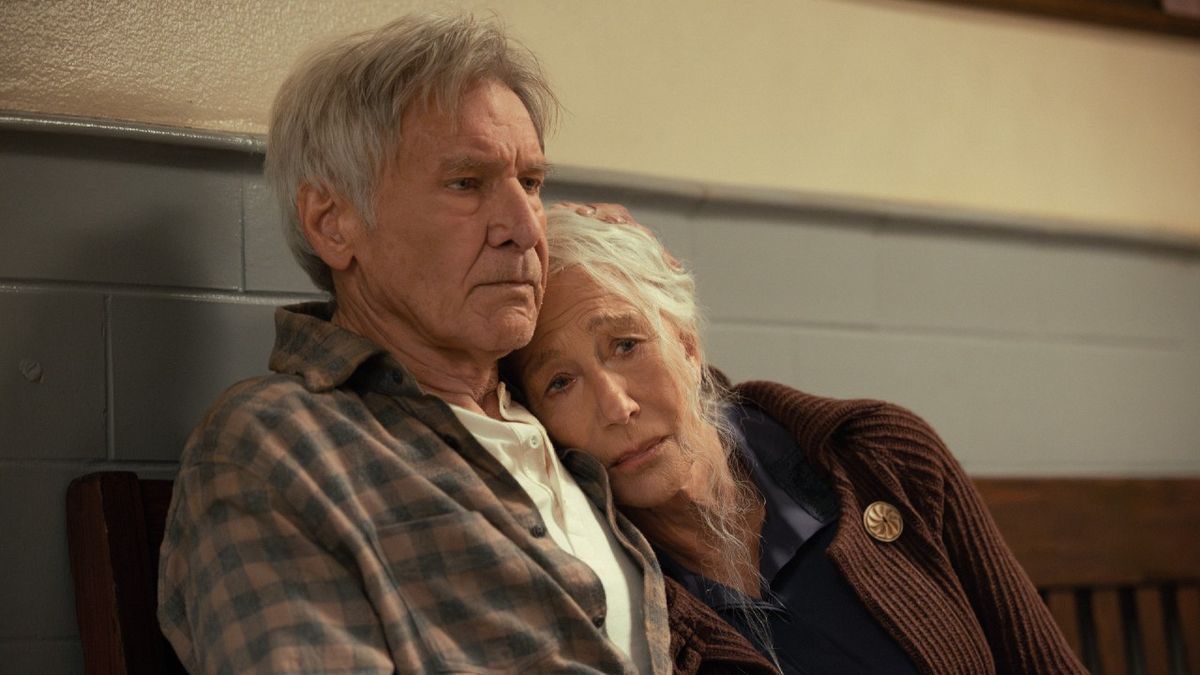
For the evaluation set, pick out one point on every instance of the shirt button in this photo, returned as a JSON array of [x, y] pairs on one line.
[[598, 621], [534, 441], [538, 530]]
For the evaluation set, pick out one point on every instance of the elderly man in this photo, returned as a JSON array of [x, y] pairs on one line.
[[379, 503]]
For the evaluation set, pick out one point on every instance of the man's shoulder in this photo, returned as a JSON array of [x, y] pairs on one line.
[[279, 419], [270, 415], [263, 397]]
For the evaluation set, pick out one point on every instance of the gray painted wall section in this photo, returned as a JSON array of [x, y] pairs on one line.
[[140, 277]]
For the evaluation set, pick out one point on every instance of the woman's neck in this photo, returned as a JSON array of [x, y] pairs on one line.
[[683, 527]]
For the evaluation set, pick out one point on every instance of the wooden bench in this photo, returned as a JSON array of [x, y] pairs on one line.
[[1117, 561]]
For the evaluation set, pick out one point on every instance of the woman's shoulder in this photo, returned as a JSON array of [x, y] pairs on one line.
[[811, 413], [823, 424], [874, 450]]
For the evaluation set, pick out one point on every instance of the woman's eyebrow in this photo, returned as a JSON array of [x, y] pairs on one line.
[[627, 320], [620, 321], [539, 360]]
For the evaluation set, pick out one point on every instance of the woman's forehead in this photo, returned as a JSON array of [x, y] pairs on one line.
[[575, 310], [575, 300]]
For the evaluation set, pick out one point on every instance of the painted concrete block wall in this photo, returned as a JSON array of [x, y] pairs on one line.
[[138, 279], [127, 310], [1028, 354]]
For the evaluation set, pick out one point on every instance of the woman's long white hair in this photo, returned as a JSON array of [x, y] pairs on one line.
[[629, 262]]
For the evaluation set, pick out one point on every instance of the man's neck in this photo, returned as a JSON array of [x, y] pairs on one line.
[[455, 376]]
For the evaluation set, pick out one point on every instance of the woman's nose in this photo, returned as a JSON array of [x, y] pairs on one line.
[[616, 405]]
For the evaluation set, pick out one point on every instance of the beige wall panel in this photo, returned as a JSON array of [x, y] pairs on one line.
[[882, 99]]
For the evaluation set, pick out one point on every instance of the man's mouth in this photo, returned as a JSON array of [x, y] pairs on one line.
[[510, 284], [511, 281]]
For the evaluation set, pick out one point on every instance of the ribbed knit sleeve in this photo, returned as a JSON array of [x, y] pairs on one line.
[[1019, 628], [948, 590]]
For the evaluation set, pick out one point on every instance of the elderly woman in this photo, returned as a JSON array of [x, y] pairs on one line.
[[831, 535]]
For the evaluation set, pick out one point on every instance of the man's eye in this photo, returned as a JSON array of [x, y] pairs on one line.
[[463, 184], [532, 185]]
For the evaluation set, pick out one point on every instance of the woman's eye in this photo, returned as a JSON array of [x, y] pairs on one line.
[[557, 384], [625, 346]]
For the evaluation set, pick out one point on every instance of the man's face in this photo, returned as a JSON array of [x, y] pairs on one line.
[[458, 251]]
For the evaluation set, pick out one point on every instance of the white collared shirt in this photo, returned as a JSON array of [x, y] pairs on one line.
[[520, 443]]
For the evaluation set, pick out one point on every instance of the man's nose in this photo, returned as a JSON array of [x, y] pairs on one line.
[[613, 399], [516, 218]]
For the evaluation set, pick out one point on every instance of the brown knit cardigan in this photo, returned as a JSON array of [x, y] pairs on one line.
[[948, 590]]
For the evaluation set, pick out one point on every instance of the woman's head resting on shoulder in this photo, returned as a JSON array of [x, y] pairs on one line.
[[615, 367]]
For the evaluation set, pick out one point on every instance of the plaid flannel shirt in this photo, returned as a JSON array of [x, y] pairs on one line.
[[333, 518]]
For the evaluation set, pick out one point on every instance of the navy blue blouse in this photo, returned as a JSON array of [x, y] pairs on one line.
[[816, 622]]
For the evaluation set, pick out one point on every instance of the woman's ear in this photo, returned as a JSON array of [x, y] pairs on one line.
[[329, 224], [691, 346]]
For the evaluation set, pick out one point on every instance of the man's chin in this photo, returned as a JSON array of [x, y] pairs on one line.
[[512, 331]]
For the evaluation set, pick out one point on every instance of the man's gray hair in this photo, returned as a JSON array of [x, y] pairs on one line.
[[335, 123]]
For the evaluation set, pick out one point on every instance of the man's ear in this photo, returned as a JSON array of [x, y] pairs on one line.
[[329, 223]]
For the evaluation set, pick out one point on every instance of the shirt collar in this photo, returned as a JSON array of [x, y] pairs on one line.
[[308, 344], [510, 411], [789, 522]]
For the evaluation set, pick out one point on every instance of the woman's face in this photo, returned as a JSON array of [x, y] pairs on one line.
[[601, 380]]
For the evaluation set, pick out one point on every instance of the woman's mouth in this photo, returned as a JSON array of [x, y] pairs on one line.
[[637, 456]]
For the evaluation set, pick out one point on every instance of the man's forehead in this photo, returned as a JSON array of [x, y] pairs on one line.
[[463, 146], [469, 160], [453, 114]]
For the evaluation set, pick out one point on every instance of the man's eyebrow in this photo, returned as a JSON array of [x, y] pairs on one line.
[[468, 163]]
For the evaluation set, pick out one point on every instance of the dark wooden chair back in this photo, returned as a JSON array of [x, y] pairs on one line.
[[115, 523], [1117, 562]]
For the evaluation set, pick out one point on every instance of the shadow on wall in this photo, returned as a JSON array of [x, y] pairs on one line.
[[144, 241], [121, 282]]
